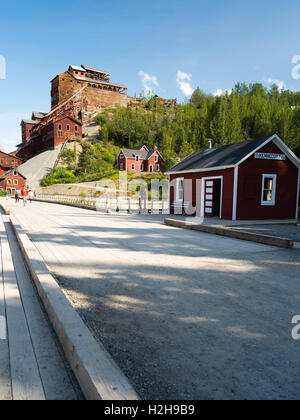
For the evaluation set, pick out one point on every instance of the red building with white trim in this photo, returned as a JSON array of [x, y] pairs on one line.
[[253, 180], [12, 180], [140, 159]]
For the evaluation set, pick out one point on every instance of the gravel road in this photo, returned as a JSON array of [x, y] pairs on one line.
[[186, 315]]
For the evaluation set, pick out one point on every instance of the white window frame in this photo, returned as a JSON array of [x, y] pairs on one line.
[[157, 168], [122, 156], [273, 202], [137, 159], [156, 158], [142, 167], [179, 200], [133, 166]]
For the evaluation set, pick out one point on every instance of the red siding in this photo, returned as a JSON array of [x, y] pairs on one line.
[[127, 163], [9, 182], [7, 161], [250, 187], [228, 182]]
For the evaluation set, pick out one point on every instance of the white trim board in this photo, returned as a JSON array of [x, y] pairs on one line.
[[202, 214], [275, 138]]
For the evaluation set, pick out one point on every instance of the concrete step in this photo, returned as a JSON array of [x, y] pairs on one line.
[[34, 366]]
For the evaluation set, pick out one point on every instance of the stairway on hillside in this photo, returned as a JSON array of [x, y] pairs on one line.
[[39, 166], [91, 131]]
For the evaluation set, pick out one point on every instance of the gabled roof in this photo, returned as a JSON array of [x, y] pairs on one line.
[[38, 115], [3, 176], [228, 156], [136, 151], [30, 122], [10, 155], [63, 117], [132, 153]]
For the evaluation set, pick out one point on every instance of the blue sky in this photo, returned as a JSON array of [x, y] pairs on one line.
[[172, 46]]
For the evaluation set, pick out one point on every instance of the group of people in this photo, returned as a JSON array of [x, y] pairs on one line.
[[24, 194]]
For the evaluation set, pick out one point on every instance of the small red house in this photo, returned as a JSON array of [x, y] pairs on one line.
[[252, 180], [140, 159], [12, 180]]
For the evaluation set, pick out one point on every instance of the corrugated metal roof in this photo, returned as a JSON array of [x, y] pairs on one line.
[[95, 70], [31, 122], [39, 114], [100, 82], [78, 68], [222, 156]]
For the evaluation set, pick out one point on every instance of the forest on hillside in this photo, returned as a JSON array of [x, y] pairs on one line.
[[248, 112]]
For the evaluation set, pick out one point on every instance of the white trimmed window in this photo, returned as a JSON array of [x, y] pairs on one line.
[[16, 182], [142, 167], [156, 158], [133, 167], [121, 156], [268, 197], [157, 168], [137, 159], [179, 189]]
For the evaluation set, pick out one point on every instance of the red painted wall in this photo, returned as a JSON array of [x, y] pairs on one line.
[[127, 163], [5, 185], [228, 182], [152, 162], [250, 187], [7, 161], [66, 134]]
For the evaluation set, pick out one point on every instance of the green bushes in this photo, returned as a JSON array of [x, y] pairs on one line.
[[58, 176]]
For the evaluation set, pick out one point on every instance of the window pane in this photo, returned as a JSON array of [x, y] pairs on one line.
[[268, 195], [268, 183]]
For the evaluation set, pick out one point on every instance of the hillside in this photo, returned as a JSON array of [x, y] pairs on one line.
[[245, 113], [248, 112]]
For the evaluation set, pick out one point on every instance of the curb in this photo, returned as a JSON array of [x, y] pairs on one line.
[[6, 212], [97, 373], [222, 231]]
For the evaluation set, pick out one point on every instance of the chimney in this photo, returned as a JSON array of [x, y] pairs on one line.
[[210, 143]]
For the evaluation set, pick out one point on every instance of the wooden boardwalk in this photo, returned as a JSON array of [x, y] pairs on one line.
[[32, 364]]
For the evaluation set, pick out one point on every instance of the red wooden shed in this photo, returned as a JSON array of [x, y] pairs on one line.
[[253, 180]]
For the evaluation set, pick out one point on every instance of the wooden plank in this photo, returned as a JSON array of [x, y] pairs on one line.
[[26, 381]]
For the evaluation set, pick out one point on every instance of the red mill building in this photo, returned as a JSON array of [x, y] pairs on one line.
[[77, 95]]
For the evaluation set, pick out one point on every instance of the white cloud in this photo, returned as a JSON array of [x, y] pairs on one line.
[[296, 68], [278, 83], [148, 81], [184, 82], [10, 130], [220, 92]]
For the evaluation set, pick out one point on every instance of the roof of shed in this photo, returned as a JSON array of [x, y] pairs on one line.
[[229, 155]]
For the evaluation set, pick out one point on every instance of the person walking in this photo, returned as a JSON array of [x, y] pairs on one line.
[[24, 194], [30, 196], [17, 195]]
